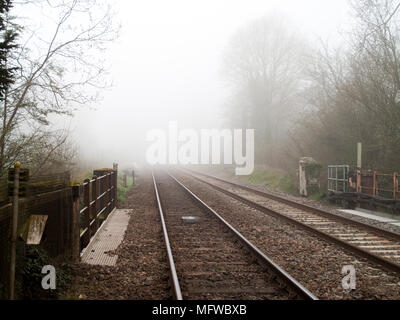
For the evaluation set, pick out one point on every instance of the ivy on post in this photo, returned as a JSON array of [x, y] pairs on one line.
[[309, 176]]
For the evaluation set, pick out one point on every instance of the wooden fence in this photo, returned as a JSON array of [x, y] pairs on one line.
[[48, 195], [75, 213], [97, 199]]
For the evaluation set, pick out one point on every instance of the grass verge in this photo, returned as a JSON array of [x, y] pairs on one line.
[[275, 179], [282, 181], [122, 190]]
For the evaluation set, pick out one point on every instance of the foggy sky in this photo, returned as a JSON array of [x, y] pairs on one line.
[[165, 66]]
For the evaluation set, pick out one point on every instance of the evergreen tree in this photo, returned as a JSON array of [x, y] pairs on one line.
[[8, 37]]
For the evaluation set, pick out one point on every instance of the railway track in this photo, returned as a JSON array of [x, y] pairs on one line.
[[375, 244], [208, 258]]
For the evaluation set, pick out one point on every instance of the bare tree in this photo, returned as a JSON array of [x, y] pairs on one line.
[[355, 92], [264, 66], [61, 68]]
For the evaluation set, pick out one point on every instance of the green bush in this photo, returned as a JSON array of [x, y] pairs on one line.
[[123, 191], [30, 284]]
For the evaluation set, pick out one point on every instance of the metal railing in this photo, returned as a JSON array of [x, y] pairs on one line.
[[338, 178], [378, 184]]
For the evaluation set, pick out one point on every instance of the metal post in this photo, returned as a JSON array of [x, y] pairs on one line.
[[17, 167], [337, 179], [375, 192], [329, 178], [359, 172], [359, 156]]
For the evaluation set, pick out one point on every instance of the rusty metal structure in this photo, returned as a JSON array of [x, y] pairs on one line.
[[368, 189]]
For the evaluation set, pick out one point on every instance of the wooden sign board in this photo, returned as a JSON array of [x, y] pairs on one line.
[[33, 229]]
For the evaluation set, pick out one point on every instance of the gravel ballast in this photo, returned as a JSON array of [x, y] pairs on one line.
[[315, 263], [141, 272]]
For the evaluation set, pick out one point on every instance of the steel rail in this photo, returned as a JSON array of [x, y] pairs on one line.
[[259, 255], [174, 277], [387, 264], [389, 234]]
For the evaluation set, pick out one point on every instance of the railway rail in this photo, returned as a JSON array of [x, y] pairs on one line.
[[375, 244], [208, 258]]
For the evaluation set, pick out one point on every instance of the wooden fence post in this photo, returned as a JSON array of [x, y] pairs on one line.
[[110, 192], [396, 186], [106, 196], [116, 188], [17, 167], [125, 181], [95, 209], [86, 204], [115, 182], [76, 225]]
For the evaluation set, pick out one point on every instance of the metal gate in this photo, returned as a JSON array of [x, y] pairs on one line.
[[338, 178]]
